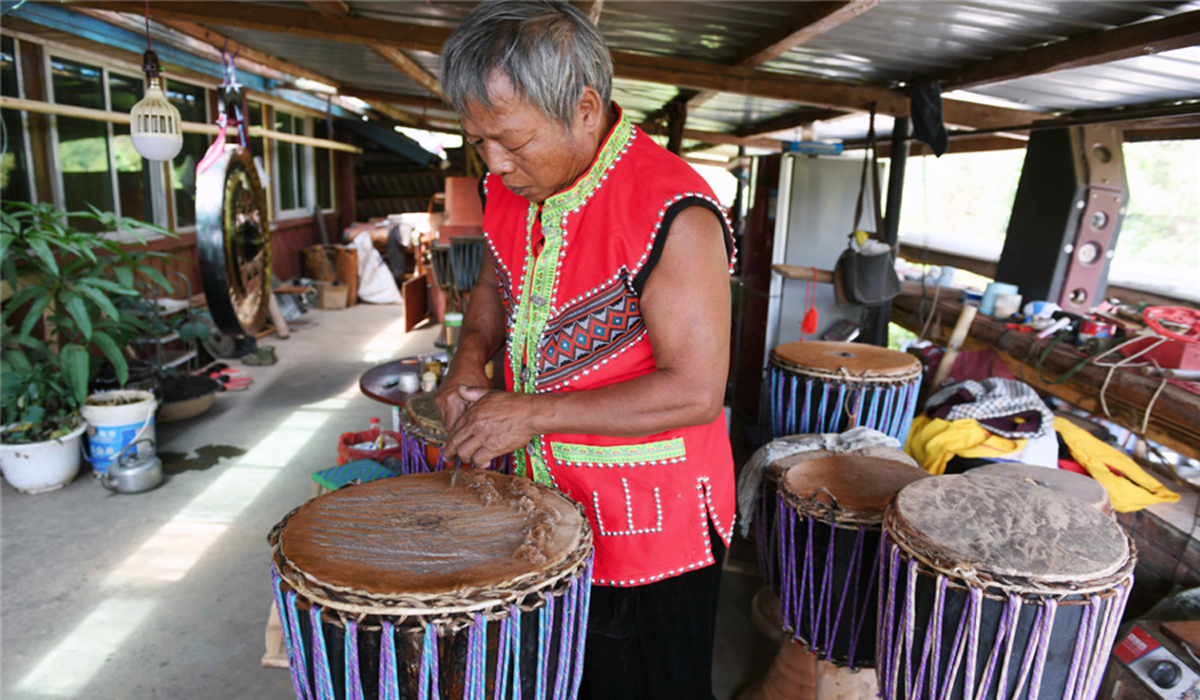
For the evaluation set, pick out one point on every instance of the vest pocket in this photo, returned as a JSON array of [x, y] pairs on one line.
[[636, 455]]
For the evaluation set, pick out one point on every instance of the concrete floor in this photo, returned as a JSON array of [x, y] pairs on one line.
[[165, 594]]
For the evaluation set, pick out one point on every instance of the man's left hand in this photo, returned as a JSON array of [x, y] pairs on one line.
[[498, 422]]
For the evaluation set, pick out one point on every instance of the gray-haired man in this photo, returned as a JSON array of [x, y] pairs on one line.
[[608, 288]]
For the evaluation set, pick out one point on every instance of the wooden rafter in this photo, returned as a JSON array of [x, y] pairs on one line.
[[394, 98], [409, 67], [1140, 39], [656, 69], [217, 40], [330, 8], [791, 120]]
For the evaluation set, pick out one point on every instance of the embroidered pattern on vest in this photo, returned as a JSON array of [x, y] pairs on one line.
[[589, 334], [539, 284], [662, 452]]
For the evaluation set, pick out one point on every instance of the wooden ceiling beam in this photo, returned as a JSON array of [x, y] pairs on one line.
[[369, 95], [409, 67], [1139, 39], [330, 8], [791, 120], [812, 20], [219, 41]]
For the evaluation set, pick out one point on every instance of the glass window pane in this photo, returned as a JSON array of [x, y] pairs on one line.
[[301, 170], [190, 101], [82, 144], [133, 174], [14, 176], [254, 116], [323, 166], [287, 163]]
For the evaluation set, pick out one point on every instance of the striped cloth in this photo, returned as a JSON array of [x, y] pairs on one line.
[[1005, 407]]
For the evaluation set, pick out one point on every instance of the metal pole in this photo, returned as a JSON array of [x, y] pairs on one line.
[[877, 318]]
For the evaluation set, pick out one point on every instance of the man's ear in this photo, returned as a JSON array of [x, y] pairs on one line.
[[589, 117]]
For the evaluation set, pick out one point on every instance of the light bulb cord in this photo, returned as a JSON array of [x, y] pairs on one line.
[[149, 43]]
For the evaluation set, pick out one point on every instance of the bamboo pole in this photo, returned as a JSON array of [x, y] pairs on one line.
[[101, 115]]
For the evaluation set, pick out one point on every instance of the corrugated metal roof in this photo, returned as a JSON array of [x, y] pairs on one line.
[[895, 41]]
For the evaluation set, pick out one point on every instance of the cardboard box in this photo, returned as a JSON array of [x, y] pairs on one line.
[[331, 295]]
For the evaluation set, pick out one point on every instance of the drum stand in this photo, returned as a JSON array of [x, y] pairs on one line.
[[797, 674]]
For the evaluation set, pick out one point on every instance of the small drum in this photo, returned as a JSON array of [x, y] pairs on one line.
[[412, 588], [827, 537], [993, 587], [827, 387], [466, 255], [443, 268], [1065, 482], [422, 437]]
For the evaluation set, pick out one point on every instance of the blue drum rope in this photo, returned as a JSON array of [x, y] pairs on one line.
[[389, 680], [321, 675], [502, 647], [584, 607], [515, 639], [545, 621], [295, 666], [564, 647], [305, 690], [428, 683]]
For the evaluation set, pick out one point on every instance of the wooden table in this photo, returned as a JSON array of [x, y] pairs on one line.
[[1172, 422], [381, 383]]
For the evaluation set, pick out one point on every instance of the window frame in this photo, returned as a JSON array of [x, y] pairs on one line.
[[302, 160], [168, 173], [158, 183], [26, 140], [332, 172]]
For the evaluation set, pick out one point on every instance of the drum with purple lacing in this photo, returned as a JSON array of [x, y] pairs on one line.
[[829, 387], [997, 588], [422, 437], [827, 534], [460, 587]]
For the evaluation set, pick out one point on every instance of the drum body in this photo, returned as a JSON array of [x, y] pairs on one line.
[[995, 587], [443, 268], [829, 387], [442, 612], [422, 437], [466, 255], [827, 533]]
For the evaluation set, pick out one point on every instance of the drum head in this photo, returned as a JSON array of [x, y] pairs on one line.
[[989, 528], [861, 485], [1068, 483], [856, 360], [422, 417], [418, 535]]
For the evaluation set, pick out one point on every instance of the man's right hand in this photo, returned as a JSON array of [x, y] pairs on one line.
[[450, 401]]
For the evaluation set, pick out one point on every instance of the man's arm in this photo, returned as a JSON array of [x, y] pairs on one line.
[[686, 306], [481, 336]]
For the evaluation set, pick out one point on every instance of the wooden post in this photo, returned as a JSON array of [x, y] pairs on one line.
[[676, 120]]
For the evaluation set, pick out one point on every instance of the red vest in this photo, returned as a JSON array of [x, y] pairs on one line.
[[574, 323]]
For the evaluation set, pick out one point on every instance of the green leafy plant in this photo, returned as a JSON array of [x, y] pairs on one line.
[[78, 288]]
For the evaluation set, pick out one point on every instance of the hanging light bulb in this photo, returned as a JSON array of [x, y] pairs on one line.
[[155, 122]]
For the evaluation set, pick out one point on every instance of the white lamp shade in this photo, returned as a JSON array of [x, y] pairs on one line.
[[154, 125]]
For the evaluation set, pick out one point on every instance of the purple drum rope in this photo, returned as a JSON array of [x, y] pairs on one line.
[[1096, 633], [389, 680], [295, 662], [354, 690], [799, 590], [795, 410], [321, 674], [503, 646]]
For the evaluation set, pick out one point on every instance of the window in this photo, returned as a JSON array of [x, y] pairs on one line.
[[133, 173], [14, 168], [323, 167], [254, 117], [290, 186], [85, 163], [192, 104]]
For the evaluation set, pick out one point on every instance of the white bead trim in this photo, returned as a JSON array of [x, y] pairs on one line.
[[630, 528]]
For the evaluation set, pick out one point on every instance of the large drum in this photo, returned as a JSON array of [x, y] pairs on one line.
[[827, 538], [422, 437], [411, 587], [995, 587], [827, 387]]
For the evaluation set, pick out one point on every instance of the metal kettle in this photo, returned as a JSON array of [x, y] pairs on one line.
[[132, 474]]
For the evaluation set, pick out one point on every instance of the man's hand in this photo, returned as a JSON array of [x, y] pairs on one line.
[[449, 399], [496, 423]]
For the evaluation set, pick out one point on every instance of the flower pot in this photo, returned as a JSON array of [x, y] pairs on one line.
[[38, 467], [111, 428], [187, 396], [188, 408]]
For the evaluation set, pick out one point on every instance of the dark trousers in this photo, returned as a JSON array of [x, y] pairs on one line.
[[654, 641]]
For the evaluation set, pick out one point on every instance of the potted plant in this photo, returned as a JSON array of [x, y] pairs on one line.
[[66, 289]]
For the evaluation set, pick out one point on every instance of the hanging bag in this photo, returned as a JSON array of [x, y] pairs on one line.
[[862, 278]]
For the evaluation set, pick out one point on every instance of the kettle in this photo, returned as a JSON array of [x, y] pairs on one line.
[[129, 473]]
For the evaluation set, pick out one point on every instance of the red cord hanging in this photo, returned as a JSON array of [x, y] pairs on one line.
[[811, 318]]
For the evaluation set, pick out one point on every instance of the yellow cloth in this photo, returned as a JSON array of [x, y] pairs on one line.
[[933, 442], [1133, 489]]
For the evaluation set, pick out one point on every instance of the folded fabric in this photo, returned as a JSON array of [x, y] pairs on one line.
[[1131, 488], [1006, 407], [933, 442]]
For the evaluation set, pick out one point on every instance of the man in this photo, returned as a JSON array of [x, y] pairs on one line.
[[608, 288]]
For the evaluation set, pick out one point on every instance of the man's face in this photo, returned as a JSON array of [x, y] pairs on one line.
[[535, 156]]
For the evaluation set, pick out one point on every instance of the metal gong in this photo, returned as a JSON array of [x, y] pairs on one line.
[[234, 243]]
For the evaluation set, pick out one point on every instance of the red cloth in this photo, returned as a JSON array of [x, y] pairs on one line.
[[649, 512]]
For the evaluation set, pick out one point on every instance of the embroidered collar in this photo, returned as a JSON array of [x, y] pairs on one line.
[[610, 152]]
